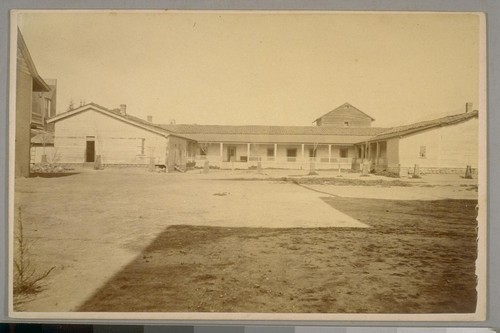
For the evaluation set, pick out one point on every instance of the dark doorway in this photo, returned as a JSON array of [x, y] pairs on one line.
[[90, 151]]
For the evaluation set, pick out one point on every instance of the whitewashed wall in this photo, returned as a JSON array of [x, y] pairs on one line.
[[460, 145], [177, 152], [49, 152], [392, 153], [116, 141], [452, 146]]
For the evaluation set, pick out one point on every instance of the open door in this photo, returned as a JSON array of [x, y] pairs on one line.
[[90, 150]]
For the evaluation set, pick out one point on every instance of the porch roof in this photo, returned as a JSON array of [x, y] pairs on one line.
[[268, 138], [424, 125], [274, 130]]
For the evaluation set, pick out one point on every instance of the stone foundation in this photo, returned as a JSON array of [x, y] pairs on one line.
[[404, 171]]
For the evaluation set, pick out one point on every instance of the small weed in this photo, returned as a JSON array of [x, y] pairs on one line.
[[28, 281]]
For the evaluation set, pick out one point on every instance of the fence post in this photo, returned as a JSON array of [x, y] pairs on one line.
[[312, 168], [416, 171], [468, 172]]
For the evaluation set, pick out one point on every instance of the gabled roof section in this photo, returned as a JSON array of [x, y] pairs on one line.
[[114, 114], [38, 83], [423, 125], [342, 107]]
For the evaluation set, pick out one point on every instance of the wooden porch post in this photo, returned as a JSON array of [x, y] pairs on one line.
[[378, 153], [303, 153], [221, 152], [329, 153], [248, 152], [275, 152]]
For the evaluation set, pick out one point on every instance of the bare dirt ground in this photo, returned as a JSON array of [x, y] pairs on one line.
[[129, 240]]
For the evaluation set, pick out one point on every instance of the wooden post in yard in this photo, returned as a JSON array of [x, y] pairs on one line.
[[416, 171], [97, 163], [312, 168], [468, 172], [259, 167], [365, 169], [206, 167], [151, 164]]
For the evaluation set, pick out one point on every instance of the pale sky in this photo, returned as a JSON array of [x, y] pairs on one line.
[[259, 68]]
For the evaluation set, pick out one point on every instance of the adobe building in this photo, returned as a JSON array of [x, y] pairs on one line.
[[342, 138], [91, 131]]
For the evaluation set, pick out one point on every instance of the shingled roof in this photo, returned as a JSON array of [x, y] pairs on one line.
[[273, 130], [423, 125], [275, 134]]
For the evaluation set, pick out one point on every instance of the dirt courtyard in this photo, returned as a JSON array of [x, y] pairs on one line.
[[238, 241]]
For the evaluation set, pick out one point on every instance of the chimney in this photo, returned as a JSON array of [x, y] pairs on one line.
[[123, 109], [172, 121], [150, 119], [468, 107]]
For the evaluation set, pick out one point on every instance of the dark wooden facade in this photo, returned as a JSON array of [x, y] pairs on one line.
[[28, 83], [345, 115]]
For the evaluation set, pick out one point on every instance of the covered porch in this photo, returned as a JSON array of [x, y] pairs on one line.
[[374, 153], [237, 155]]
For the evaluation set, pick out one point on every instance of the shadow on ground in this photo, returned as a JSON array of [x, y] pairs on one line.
[[52, 174], [418, 257]]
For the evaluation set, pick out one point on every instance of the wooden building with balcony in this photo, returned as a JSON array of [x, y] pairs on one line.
[[30, 117]]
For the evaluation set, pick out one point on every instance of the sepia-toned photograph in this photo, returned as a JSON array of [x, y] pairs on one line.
[[247, 165]]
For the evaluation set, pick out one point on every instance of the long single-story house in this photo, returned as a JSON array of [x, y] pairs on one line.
[[292, 147], [342, 138]]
